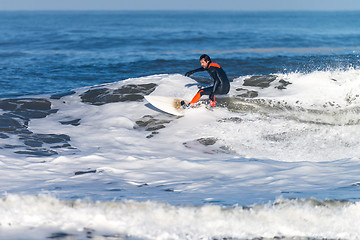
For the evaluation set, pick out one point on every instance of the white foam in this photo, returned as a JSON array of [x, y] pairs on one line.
[[38, 217], [276, 149]]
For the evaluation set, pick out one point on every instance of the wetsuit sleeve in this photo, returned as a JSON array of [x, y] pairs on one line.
[[217, 78], [194, 71]]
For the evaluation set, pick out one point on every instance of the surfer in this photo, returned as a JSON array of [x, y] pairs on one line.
[[221, 81]]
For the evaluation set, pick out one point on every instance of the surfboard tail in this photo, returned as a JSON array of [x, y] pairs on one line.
[[180, 104], [167, 104]]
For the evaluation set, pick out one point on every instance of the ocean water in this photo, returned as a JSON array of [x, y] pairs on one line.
[[84, 156]]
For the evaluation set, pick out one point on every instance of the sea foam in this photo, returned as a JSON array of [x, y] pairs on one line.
[[127, 169], [44, 216]]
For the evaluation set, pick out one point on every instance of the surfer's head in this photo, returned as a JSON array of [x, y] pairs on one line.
[[205, 60]]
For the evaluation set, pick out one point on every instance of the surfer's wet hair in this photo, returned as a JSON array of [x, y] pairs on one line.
[[205, 57]]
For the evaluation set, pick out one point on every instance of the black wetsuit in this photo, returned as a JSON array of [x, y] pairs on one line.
[[221, 81]]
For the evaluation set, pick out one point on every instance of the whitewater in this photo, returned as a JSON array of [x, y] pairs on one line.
[[278, 158]]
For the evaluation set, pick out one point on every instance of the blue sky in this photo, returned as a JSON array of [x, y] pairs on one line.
[[238, 5]]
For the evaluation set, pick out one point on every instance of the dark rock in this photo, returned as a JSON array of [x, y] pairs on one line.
[[126, 93], [260, 81]]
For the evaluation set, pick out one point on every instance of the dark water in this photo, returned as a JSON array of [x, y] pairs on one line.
[[50, 52]]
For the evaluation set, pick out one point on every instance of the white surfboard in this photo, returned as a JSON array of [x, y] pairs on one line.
[[167, 104]]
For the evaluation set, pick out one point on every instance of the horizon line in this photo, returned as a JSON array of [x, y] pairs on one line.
[[184, 10]]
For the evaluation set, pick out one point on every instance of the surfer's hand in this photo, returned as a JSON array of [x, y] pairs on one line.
[[188, 73]]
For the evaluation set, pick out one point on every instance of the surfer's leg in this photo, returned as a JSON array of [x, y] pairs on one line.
[[212, 100], [196, 97], [201, 92]]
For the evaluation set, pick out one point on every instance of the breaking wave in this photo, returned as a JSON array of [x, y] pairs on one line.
[[40, 217]]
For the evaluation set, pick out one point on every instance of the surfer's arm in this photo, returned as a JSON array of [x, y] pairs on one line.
[[217, 79], [194, 71], [216, 84]]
